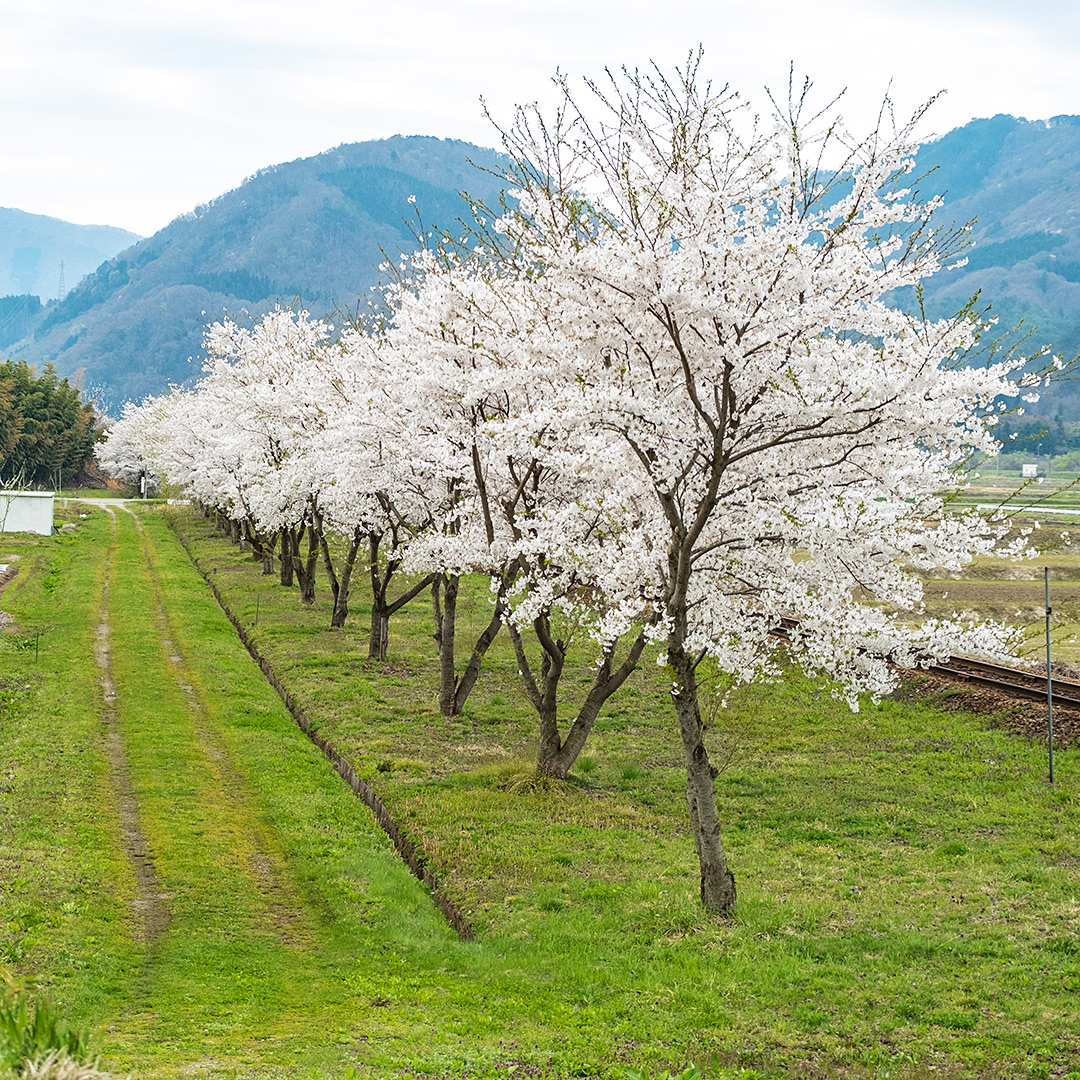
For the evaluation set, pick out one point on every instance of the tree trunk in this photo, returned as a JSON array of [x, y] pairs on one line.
[[444, 594], [476, 661], [223, 523], [287, 546], [557, 755], [543, 694], [717, 883], [262, 546], [605, 683], [381, 609], [304, 565], [454, 691], [378, 639], [339, 583], [269, 544]]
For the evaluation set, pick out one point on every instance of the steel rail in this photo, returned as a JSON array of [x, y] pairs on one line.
[[1013, 681]]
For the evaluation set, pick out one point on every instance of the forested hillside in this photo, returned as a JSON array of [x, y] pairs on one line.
[[1019, 180], [313, 229], [18, 315]]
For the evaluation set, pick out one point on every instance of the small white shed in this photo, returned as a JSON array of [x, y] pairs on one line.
[[27, 511]]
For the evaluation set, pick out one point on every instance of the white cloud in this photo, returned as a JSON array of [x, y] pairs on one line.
[[129, 113]]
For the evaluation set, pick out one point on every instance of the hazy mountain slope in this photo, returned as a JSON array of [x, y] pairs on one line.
[[1021, 180], [314, 228], [32, 247]]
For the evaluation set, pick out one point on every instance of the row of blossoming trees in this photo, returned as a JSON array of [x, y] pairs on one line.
[[663, 397]]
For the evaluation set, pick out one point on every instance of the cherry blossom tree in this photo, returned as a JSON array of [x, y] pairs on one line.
[[669, 396], [442, 398], [323, 464], [517, 510], [271, 381], [127, 451], [187, 440], [772, 432], [369, 491]]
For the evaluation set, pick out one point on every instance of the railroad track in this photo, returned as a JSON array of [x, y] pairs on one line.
[[1015, 682], [1009, 680]]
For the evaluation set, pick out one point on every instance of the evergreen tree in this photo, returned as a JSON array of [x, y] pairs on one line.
[[46, 432]]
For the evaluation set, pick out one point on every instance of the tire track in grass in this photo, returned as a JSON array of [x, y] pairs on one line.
[[256, 857], [282, 901], [290, 914], [410, 851], [150, 905]]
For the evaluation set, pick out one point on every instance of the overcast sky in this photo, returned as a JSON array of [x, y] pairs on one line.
[[130, 112]]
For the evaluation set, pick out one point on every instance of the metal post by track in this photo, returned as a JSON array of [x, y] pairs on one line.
[[1049, 684]]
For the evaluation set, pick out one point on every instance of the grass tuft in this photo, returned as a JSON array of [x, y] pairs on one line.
[[32, 1030], [60, 1066], [519, 777]]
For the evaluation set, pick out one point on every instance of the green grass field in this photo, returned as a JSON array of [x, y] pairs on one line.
[[908, 882]]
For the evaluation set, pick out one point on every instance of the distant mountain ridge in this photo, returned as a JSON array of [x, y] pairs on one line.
[[32, 247], [315, 229]]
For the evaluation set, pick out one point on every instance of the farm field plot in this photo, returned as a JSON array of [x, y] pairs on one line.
[[907, 879], [1042, 493], [1013, 591]]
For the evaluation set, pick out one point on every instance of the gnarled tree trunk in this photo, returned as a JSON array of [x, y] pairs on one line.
[[340, 582], [304, 564], [262, 546], [454, 691], [381, 608], [286, 557], [556, 755]]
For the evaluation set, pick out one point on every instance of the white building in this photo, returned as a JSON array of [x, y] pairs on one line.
[[27, 511]]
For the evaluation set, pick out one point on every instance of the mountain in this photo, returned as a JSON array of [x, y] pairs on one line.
[[312, 230], [315, 229], [32, 247], [1021, 180]]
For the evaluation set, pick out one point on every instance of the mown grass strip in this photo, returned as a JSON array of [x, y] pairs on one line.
[[246, 951], [411, 851], [65, 884], [907, 879]]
